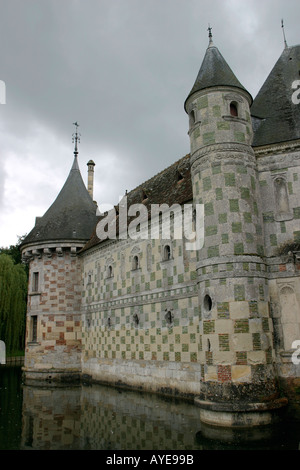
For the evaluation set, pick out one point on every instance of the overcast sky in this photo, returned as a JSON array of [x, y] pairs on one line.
[[122, 69]]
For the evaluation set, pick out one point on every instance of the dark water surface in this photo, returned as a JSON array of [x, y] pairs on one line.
[[96, 417]]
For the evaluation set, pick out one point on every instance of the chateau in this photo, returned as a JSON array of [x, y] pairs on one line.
[[219, 322]]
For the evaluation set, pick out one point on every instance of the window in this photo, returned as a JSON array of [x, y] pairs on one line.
[[179, 176], [110, 271], [167, 253], [169, 317], [207, 303], [281, 199], [192, 118], [135, 262], [35, 282], [233, 109], [34, 328]]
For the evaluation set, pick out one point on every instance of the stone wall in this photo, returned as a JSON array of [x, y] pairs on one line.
[[53, 333], [141, 323], [279, 179]]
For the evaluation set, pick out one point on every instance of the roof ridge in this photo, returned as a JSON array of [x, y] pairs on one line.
[[159, 173]]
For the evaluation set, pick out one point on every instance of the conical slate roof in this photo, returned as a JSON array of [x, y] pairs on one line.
[[274, 103], [72, 216], [213, 72]]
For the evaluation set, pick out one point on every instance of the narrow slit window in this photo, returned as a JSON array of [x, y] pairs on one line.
[[34, 328], [35, 282], [192, 118]]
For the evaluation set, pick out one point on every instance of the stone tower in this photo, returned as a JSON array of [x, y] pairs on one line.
[[53, 329], [238, 383]]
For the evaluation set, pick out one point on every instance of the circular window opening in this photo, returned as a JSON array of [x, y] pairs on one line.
[[207, 303], [169, 317]]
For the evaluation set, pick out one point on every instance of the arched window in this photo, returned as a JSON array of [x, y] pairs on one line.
[[135, 262], [233, 108], [110, 271], [281, 199], [167, 253]]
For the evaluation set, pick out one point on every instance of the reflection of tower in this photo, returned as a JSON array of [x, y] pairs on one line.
[[53, 331], [237, 355]]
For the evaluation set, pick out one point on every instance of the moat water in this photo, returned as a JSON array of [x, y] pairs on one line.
[[96, 417]]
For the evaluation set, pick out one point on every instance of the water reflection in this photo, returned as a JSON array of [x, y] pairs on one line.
[[96, 417], [104, 418]]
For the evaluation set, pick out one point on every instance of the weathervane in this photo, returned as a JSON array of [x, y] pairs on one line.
[[209, 33], [282, 25], [76, 138]]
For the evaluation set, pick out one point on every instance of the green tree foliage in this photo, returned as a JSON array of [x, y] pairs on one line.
[[13, 295], [15, 252]]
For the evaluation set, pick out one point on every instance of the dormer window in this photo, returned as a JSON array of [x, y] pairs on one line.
[[179, 176], [233, 109]]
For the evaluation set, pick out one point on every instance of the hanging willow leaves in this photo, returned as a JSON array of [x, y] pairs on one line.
[[13, 293]]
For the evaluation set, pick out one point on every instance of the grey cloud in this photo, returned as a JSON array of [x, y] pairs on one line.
[[123, 69]]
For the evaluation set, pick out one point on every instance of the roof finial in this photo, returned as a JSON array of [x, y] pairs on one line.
[[282, 25], [76, 138], [210, 34]]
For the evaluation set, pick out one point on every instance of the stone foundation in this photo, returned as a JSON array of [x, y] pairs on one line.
[[168, 378]]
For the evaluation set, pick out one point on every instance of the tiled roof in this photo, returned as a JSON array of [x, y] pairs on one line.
[[213, 72], [279, 116], [171, 186], [72, 216]]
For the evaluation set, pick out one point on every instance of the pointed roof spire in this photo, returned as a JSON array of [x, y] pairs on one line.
[[72, 216], [274, 105], [214, 71]]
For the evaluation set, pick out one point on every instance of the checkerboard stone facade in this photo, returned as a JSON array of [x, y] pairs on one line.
[[220, 321], [236, 328], [54, 303], [142, 323]]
